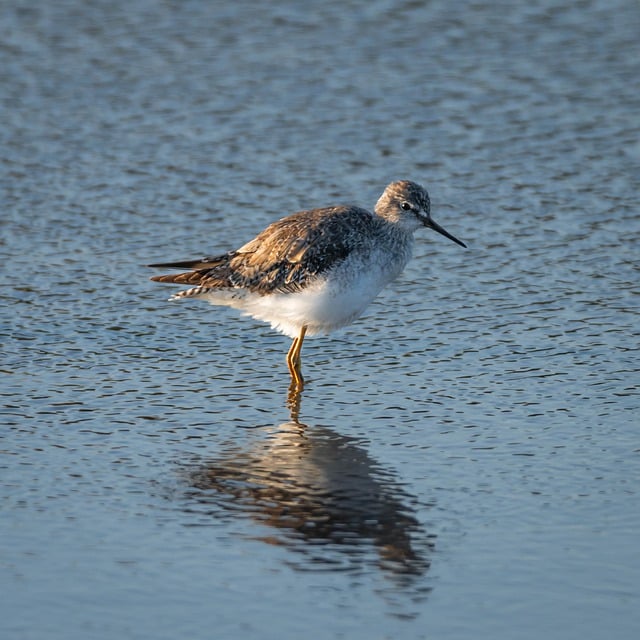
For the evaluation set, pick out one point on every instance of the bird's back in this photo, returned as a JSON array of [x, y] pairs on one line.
[[285, 257]]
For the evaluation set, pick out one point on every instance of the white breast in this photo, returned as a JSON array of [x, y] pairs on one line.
[[334, 300]]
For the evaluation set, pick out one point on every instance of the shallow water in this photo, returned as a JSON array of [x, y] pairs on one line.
[[463, 461]]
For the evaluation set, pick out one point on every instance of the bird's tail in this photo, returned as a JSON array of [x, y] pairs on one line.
[[200, 271]]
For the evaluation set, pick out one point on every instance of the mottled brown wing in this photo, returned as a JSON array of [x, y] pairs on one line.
[[293, 250], [286, 255]]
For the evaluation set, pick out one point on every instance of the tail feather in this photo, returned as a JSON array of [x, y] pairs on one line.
[[202, 263], [191, 277], [199, 270], [190, 293]]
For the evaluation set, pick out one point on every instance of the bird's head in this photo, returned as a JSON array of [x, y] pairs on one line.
[[407, 204]]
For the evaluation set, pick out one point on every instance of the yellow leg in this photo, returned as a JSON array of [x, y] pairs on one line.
[[294, 360]]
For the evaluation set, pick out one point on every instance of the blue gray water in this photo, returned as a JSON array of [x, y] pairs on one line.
[[464, 462]]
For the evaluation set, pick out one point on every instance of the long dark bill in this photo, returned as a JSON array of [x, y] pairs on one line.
[[436, 227]]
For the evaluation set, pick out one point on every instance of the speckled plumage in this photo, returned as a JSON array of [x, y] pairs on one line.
[[315, 270], [285, 256]]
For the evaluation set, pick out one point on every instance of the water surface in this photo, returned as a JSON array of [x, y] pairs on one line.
[[464, 459]]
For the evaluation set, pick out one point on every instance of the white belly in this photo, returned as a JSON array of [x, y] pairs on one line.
[[327, 304]]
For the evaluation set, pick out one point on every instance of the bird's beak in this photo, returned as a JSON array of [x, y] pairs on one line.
[[428, 222]]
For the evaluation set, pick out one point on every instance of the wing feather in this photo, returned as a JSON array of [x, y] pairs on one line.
[[285, 256]]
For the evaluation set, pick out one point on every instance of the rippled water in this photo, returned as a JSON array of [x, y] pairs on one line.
[[464, 459]]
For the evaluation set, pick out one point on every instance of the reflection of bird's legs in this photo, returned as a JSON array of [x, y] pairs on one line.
[[294, 399], [293, 358]]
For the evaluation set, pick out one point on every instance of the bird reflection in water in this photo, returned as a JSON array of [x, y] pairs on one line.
[[320, 494]]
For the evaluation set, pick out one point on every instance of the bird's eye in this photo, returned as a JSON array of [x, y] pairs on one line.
[[406, 206]]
